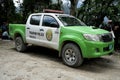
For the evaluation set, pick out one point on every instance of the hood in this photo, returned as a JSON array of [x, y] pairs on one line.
[[86, 29]]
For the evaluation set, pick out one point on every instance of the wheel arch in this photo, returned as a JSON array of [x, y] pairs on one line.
[[18, 34], [66, 42]]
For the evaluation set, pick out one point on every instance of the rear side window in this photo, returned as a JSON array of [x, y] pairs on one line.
[[35, 19]]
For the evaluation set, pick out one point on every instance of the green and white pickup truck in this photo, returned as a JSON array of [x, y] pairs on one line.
[[64, 33]]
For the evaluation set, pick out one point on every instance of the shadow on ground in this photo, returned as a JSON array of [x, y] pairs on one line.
[[96, 65]]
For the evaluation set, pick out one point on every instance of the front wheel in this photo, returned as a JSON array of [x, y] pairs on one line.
[[19, 44], [71, 55]]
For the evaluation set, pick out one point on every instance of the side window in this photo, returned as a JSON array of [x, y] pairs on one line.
[[35, 19], [49, 21]]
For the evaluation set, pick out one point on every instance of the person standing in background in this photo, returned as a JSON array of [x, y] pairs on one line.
[[5, 29], [107, 26], [116, 30]]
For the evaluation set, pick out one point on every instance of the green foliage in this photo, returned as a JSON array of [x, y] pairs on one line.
[[7, 10], [54, 6], [18, 18], [34, 6], [93, 11]]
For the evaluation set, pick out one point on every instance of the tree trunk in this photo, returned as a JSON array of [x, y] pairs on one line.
[[73, 7]]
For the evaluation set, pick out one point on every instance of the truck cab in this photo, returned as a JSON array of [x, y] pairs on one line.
[[43, 29]]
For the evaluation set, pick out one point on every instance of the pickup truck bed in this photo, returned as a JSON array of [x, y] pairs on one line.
[[20, 29]]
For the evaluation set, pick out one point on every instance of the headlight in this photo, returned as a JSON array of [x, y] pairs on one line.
[[92, 37]]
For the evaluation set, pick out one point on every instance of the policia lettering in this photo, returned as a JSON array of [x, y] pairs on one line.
[[33, 34], [49, 35]]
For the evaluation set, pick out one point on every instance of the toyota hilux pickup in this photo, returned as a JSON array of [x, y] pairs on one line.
[[68, 35]]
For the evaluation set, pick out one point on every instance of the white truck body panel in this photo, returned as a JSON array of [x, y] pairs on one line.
[[41, 35]]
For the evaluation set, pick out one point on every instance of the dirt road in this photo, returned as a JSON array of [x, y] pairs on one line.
[[39, 63]]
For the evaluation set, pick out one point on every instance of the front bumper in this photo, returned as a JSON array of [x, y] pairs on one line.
[[96, 49]]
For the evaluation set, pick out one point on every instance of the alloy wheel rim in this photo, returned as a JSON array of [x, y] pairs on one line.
[[18, 44], [70, 56]]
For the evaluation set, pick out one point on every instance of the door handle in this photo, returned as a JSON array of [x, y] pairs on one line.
[[28, 28], [56, 32], [41, 29]]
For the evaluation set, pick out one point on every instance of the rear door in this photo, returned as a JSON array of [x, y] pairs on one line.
[[33, 29]]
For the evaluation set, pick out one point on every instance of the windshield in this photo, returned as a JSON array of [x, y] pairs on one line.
[[70, 21]]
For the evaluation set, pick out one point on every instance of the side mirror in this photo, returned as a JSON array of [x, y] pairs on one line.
[[54, 24]]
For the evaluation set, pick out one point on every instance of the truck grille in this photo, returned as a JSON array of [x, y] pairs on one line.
[[107, 37]]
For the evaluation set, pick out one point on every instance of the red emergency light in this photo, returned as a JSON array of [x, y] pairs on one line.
[[52, 11]]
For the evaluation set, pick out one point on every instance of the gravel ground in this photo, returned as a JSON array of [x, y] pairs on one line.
[[35, 64]]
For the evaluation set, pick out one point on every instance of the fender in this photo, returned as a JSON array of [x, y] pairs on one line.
[[19, 32], [75, 39]]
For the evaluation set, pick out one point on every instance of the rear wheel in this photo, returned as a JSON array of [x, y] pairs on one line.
[[19, 44], [71, 55]]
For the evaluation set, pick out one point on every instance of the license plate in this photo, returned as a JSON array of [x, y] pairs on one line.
[[110, 47]]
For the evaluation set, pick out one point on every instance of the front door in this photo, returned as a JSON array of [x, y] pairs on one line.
[[51, 30]]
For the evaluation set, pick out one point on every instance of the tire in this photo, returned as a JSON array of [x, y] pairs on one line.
[[19, 44], [71, 55]]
